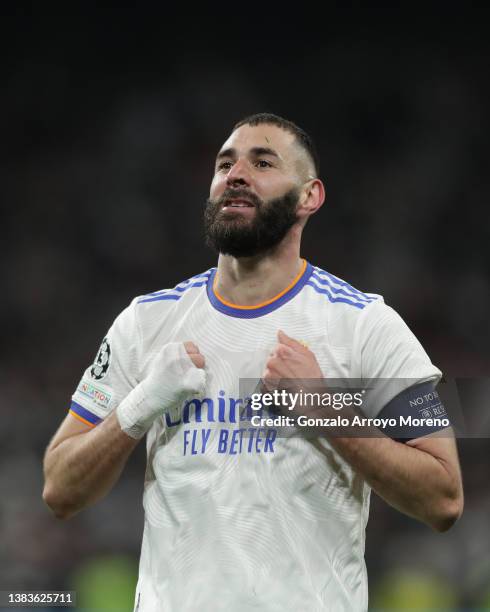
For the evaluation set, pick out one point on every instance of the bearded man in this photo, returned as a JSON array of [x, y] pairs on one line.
[[241, 517]]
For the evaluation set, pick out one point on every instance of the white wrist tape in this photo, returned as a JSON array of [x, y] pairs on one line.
[[172, 377]]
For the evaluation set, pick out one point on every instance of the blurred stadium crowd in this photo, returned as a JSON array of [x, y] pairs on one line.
[[106, 160]]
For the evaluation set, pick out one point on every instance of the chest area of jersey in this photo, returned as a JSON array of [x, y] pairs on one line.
[[236, 352], [236, 348]]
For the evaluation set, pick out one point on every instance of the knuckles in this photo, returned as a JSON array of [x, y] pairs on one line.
[[283, 352], [273, 363]]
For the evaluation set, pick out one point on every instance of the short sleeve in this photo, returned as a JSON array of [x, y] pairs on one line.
[[390, 358], [114, 372]]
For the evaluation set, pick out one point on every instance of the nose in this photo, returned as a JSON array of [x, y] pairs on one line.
[[238, 174]]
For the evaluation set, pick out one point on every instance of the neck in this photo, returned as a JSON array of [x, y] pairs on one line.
[[247, 281]]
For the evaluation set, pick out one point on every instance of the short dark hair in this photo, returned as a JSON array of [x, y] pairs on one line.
[[303, 139]]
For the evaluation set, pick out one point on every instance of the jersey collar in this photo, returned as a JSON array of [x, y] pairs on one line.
[[258, 310]]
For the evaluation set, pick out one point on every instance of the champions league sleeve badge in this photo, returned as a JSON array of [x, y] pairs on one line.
[[102, 361]]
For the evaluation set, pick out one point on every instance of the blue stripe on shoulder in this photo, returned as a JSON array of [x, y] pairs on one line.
[[334, 299], [178, 290], [184, 284], [182, 289], [337, 281], [342, 291], [159, 298]]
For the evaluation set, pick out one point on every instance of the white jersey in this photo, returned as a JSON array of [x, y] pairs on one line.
[[235, 518]]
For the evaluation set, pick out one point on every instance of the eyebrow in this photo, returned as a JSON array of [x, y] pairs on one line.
[[255, 151]]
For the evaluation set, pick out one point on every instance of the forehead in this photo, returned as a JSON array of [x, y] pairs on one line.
[[248, 137]]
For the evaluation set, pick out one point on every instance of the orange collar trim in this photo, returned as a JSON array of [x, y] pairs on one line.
[[267, 302]]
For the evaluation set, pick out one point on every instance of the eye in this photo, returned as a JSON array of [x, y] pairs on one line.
[[262, 163], [225, 165]]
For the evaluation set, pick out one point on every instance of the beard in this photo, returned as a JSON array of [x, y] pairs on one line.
[[233, 234]]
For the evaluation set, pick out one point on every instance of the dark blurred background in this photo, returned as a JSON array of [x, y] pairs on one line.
[[109, 123]]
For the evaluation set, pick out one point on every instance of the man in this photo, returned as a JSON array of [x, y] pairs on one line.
[[236, 517]]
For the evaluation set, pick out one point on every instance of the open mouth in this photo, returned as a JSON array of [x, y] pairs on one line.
[[238, 203]]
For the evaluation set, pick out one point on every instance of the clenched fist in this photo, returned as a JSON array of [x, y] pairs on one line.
[[176, 371], [290, 360]]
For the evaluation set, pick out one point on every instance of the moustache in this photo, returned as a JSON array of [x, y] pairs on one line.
[[242, 194]]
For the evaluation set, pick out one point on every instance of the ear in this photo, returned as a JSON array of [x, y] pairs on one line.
[[311, 198]]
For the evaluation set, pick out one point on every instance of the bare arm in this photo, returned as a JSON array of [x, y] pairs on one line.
[[82, 464], [421, 478]]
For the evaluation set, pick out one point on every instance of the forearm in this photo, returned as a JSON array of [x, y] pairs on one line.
[[80, 468], [420, 478], [409, 479], [83, 468]]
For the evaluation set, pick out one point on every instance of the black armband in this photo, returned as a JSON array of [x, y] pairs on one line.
[[415, 412]]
